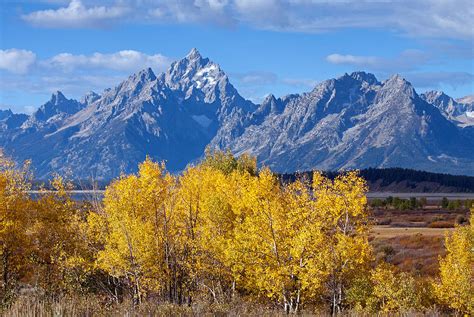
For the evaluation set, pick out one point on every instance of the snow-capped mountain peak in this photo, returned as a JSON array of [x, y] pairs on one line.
[[447, 105], [146, 74], [365, 77], [467, 100], [57, 107], [89, 98], [170, 117], [10, 120], [193, 54], [140, 83], [139, 79], [439, 97], [194, 72], [5, 113], [396, 80], [57, 97], [400, 84]]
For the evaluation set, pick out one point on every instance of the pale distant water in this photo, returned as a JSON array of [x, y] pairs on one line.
[[428, 196], [89, 194], [77, 194]]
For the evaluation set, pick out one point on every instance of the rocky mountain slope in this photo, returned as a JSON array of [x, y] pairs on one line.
[[170, 117], [353, 121], [10, 120], [356, 122], [461, 111]]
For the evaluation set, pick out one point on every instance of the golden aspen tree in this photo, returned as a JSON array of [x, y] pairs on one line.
[[344, 251], [158, 192], [76, 261], [231, 216], [294, 244], [392, 291], [263, 243], [57, 251], [207, 219], [456, 286], [307, 239], [15, 220], [227, 163], [303, 234], [95, 231], [140, 243], [126, 237]]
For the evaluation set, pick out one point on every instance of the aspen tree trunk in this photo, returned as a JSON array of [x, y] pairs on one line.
[[137, 296], [5, 269], [337, 296], [339, 299], [115, 290], [233, 289], [286, 306], [297, 301], [290, 304], [334, 300]]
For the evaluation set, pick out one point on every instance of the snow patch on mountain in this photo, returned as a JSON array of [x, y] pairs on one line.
[[203, 120], [455, 110]]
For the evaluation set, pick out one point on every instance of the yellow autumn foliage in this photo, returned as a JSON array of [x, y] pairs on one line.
[[15, 225], [456, 286], [219, 230]]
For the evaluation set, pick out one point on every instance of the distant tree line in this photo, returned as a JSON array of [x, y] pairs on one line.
[[414, 203], [399, 203], [388, 176]]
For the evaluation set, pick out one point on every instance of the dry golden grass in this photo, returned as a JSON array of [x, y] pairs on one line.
[[390, 232], [93, 306], [414, 250]]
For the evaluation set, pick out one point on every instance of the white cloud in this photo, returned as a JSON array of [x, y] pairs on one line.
[[406, 60], [352, 59], [16, 61], [70, 73], [29, 109], [436, 80], [256, 77], [300, 82], [256, 85], [271, 14], [126, 60], [419, 18], [270, 79], [75, 15], [437, 18], [197, 11]]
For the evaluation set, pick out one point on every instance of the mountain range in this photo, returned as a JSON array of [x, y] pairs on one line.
[[354, 121]]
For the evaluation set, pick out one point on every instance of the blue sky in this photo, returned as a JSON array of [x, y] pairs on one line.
[[265, 46]]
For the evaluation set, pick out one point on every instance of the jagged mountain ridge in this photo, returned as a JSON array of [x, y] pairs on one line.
[[461, 110], [10, 120], [356, 122], [353, 121], [170, 117]]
